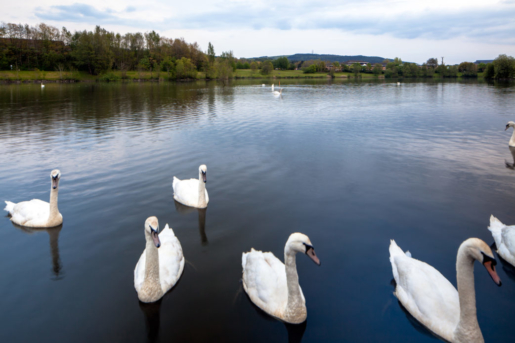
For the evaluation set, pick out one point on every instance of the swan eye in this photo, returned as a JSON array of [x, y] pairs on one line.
[[487, 258], [308, 247]]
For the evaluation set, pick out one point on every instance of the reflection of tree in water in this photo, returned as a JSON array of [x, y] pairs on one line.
[[152, 312], [182, 209], [53, 234]]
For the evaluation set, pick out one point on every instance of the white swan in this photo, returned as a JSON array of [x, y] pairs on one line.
[[278, 94], [398, 83], [42, 85], [272, 87], [512, 139], [433, 300], [504, 237], [38, 213], [192, 192], [161, 264], [274, 287]]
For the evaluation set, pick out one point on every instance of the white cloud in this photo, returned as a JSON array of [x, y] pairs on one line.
[[414, 31]]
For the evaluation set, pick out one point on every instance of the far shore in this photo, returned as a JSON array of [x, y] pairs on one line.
[[147, 76]]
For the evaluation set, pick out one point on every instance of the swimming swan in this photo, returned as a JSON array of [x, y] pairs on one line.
[[433, 300], [512, 139], [274, 287], [192, 192], [38, 213], [272, 87], [161, 264], [504, 237]]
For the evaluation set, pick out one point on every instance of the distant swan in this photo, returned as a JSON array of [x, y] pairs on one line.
[[504, 237], [432, 299], [38, 213], [42, 85], [192, 192], [273, 286], [512, 139], [161, 264], [278, 94], [272, 87]]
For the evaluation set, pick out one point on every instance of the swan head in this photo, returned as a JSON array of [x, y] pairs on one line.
[[299, 242], [152, 230], [510, 124], [55, 176], [480, 251], [202, 171]]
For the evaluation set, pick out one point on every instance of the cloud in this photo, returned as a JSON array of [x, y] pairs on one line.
[[490, 22]]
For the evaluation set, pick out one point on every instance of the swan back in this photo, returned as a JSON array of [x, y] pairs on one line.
[[192, 192], [425, 293]]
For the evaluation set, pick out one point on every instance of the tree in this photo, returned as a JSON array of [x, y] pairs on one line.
[[378, 69], [489, 71], [253, 67], [356, 68], [281, 63], [468, 69], [211, 52], [504, 67], [432, 63], [481, 67], [266, 68]]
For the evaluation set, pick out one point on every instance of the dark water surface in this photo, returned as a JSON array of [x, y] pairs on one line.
[[351, 165]]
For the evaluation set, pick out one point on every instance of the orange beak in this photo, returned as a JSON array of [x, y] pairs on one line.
[[490, 267], [313, 256]]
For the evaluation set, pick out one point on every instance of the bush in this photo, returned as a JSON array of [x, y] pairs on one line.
[[109, 76], [267, 68], [310, 70]]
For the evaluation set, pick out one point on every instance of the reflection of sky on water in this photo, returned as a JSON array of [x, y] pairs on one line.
[[351, 164]]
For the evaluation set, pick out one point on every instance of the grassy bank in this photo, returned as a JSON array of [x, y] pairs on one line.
[[81, 76]]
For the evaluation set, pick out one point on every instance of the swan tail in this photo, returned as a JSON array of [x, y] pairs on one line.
[[9, 207], [175, 182], [396, 251], [496, 229]]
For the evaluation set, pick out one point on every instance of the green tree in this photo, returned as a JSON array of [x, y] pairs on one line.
[[489, 71], [266, 68], [468, 69], [481, 67], [253, 66], [211, 52], [356, 68], [432, 63], [504, 67], [378, 69], [281, 63]]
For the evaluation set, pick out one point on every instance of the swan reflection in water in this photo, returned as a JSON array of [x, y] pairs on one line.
[[295, 331], [509, 164], [53, 233], [183, 209], [152, 312]]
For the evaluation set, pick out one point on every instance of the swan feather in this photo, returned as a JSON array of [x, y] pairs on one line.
[[186, 191], [425, 293], [504, 237]]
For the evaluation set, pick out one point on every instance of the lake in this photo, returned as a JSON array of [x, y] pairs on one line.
[[350, 164]]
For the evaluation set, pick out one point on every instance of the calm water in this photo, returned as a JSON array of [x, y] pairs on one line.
[[351, 165]]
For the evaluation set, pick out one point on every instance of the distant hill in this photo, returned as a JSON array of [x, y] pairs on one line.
[[483, 61], [331, 58]]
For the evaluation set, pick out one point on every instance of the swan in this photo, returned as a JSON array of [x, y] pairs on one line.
[[161, 263], [38, 213], [504, 237], [192, 192], [278, 94], [398, 83], [42, 85], [432, 299], [272, 87], [512, 139], [273, 286]]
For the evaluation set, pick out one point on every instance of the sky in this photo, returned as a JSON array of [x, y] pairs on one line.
[[458, 30]]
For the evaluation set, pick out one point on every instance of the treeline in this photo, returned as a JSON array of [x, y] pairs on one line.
[[44, 47]]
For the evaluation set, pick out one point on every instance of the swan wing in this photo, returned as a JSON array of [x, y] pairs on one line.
[[186, 192], [171, 259], [507, 248], [139, 272], [31, 211], [426, 294], [264, 280]]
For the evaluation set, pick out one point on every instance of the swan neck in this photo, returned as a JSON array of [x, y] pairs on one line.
[[512, 139], [151, 264], [295, 308], [54, 210], [201, 192], [468, 327]]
